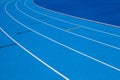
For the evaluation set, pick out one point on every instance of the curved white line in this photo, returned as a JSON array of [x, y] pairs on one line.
[[65, 46], [77, 17], [32, 54], [93, 40], [71, 22]]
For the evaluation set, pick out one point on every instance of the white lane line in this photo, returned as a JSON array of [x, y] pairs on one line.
[[71, 22], [93, 40], [54, 41], [77, 17], [32, 54]]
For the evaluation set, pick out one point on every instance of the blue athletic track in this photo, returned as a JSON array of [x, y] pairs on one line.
[[40, 44]]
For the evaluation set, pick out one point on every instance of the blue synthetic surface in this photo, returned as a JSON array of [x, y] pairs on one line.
[[78, 49], [98, 10]]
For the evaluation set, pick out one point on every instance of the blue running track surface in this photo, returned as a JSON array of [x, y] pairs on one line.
[[40, 44]]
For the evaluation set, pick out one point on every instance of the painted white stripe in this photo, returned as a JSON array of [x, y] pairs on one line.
[[71, 22], [65, 46], [32, 54], [78, 17], [93, 40]]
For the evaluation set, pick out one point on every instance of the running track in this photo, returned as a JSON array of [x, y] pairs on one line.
[[40, 44]]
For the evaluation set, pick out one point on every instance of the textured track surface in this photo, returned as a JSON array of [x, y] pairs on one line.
[[40, 44]]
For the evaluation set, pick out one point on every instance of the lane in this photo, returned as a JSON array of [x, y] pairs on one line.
[[99, 37], [17, 64], [105, 58], [95, 25]]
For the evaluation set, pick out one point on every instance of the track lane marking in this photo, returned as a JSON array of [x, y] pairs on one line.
[[65, 46]]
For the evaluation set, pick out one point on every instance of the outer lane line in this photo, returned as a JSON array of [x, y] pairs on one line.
[[93, 40], [77, 17], [65, 46], [71, 22]]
